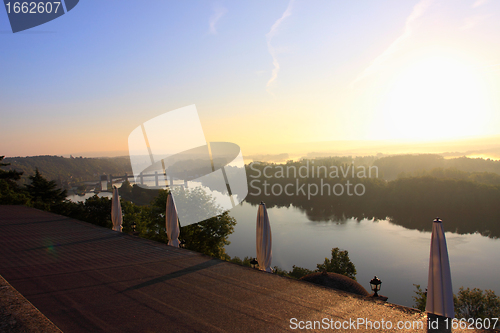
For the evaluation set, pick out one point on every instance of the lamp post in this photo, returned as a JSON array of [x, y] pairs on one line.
[[182, 243], [253, 262], [375, 285]]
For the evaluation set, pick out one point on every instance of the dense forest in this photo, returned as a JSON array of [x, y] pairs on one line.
[[68, 171], [392, 167], [77, 169], [463, 192]]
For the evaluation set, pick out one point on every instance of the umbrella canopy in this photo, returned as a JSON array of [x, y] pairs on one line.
[[264, 239], [116, 211], [172, 222], [439, 289]]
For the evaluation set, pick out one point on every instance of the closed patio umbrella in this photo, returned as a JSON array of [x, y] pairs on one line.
[[439, 289], [172, 222], [116, 211], [264, 240]]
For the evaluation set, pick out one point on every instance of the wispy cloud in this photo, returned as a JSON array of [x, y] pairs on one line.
[[376, 64], [216, 16], [269, 37], [478, 3], [471, 22]]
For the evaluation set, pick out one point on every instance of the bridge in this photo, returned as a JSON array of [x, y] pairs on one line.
[[161, 180]]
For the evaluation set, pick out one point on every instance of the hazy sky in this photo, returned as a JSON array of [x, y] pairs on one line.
[[261, 73]]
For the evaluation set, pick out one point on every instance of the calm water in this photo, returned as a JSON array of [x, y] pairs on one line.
[[398, 256], [77, 198]]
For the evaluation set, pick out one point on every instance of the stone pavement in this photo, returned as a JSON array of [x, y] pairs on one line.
[[86, 278]]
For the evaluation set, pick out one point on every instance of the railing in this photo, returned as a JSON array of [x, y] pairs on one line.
[[104, 179]]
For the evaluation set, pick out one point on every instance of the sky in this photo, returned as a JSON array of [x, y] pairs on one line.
[[266, 75]]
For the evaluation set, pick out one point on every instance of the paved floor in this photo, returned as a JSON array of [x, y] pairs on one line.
[[86, 278]]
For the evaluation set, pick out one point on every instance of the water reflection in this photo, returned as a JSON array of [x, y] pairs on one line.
[[467, 219]]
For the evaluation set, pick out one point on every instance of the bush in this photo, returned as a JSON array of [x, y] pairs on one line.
[[339, 263], [475, 303], [469, 303]]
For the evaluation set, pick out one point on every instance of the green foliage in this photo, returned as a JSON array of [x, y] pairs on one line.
[[298, 272], [136, 194], [208, 237], [97, 210], [245, 262], [420, 298], [280, 271], [44, 193], [475, 303], [339, 263], [8, 175], [10, 192], [393, 166], [70, 170], [68, 208], [400, 166], [469, 303], [151, 219], [135, 214], [198, 201], [487, 178]]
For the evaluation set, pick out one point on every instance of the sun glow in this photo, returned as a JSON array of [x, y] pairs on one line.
[[439, 97]]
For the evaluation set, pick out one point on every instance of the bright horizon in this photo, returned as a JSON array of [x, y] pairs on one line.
[[282, 77]]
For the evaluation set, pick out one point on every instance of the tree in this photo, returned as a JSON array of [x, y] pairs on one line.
[[11, 175], [243, 262], [298, 272], [420, 299], [44, 193], [135, 215], [208, 237], [474, 303], [97, 210], [10, 192], [339, 263], [136, 194]]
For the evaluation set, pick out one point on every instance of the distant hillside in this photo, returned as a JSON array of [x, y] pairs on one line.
[[392, 167], [74, 170], [69, 170]]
